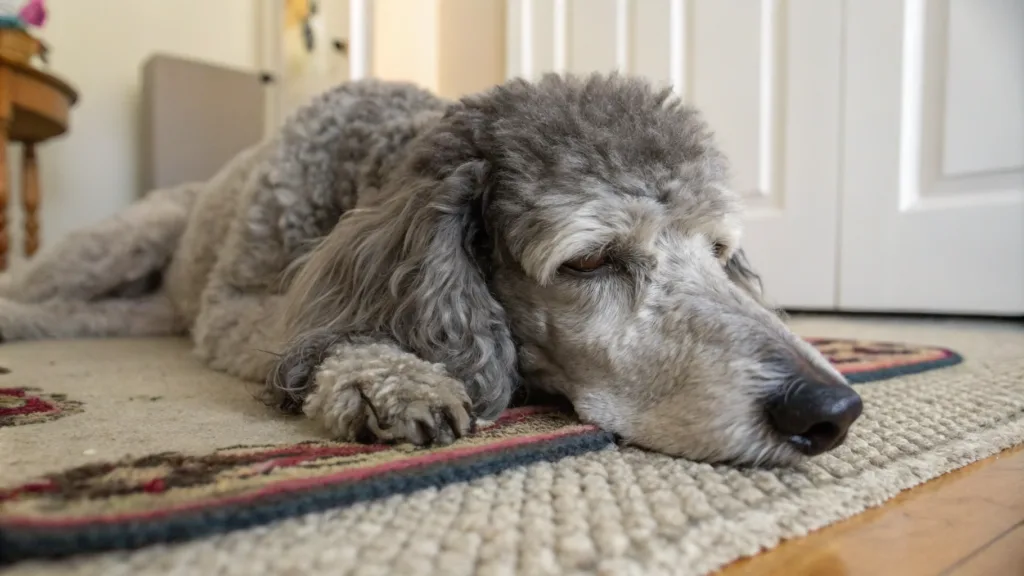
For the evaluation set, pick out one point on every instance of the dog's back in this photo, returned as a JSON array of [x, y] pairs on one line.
[[291, 190], [242, 228]]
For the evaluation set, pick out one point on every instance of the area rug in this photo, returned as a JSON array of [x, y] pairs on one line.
[[172, 496], [536, 489]]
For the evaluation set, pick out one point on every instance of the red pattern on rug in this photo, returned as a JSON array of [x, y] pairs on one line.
[[20, 406]]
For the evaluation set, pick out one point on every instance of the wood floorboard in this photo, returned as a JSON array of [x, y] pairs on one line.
[[1005, 555], [969, 522]]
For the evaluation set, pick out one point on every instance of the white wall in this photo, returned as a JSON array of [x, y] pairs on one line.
[[98, 46]]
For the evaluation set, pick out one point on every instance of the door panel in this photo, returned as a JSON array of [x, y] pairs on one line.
[[766, 76], [933, 163]]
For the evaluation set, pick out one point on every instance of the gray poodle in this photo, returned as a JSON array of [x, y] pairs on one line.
[[395, 266]]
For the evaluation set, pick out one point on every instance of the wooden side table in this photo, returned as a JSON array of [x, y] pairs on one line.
[[34, 107]]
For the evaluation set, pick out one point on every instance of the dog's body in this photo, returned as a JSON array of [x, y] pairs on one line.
[[394, 265]]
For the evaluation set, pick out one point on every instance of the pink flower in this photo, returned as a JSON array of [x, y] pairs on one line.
[[33, 13]]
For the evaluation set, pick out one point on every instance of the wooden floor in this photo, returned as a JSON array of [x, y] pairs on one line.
[[967, 523]]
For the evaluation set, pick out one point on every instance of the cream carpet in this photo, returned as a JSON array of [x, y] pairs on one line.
[[618, 511]]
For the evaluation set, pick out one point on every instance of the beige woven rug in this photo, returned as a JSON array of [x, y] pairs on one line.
[[613, 512]]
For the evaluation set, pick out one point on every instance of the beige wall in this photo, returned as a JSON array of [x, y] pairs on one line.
[[98, 46], [452, 47], [472, 46], [405, 41]]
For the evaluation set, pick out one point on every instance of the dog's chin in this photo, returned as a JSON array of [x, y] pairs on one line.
[[756, 454], [770, 454], [746, 444], [738, 437]]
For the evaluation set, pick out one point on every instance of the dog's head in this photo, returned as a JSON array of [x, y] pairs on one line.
[[579, 235]]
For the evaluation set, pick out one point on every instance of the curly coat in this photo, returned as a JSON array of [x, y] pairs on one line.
[[395, 266]]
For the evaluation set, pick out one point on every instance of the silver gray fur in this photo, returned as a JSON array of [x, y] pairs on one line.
[[390, 264]]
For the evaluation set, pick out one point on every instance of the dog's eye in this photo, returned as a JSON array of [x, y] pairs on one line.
[[586, 264]]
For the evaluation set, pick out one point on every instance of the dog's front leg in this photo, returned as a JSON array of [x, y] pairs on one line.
[[366, 390]]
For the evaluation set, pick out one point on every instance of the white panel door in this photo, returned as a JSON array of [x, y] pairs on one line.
[[933, 164], [766, 75]]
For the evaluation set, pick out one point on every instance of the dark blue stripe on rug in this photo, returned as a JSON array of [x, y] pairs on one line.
[[25, 544], [952, 359]]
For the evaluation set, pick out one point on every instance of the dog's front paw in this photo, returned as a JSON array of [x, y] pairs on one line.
[[409, 402]]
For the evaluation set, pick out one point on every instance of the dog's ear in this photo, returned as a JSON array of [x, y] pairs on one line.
[[445, 311], [408, 271], [739, 270]]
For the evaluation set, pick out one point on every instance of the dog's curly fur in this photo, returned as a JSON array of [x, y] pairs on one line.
[[395, 265]]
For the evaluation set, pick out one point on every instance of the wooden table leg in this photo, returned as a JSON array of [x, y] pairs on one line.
[[3, 195], [5, 118], [30, 198]]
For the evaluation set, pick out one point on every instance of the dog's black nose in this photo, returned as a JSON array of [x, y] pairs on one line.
[[814, 416]]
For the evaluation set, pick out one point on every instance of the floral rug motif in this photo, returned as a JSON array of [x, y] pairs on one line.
[[20, 406]]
